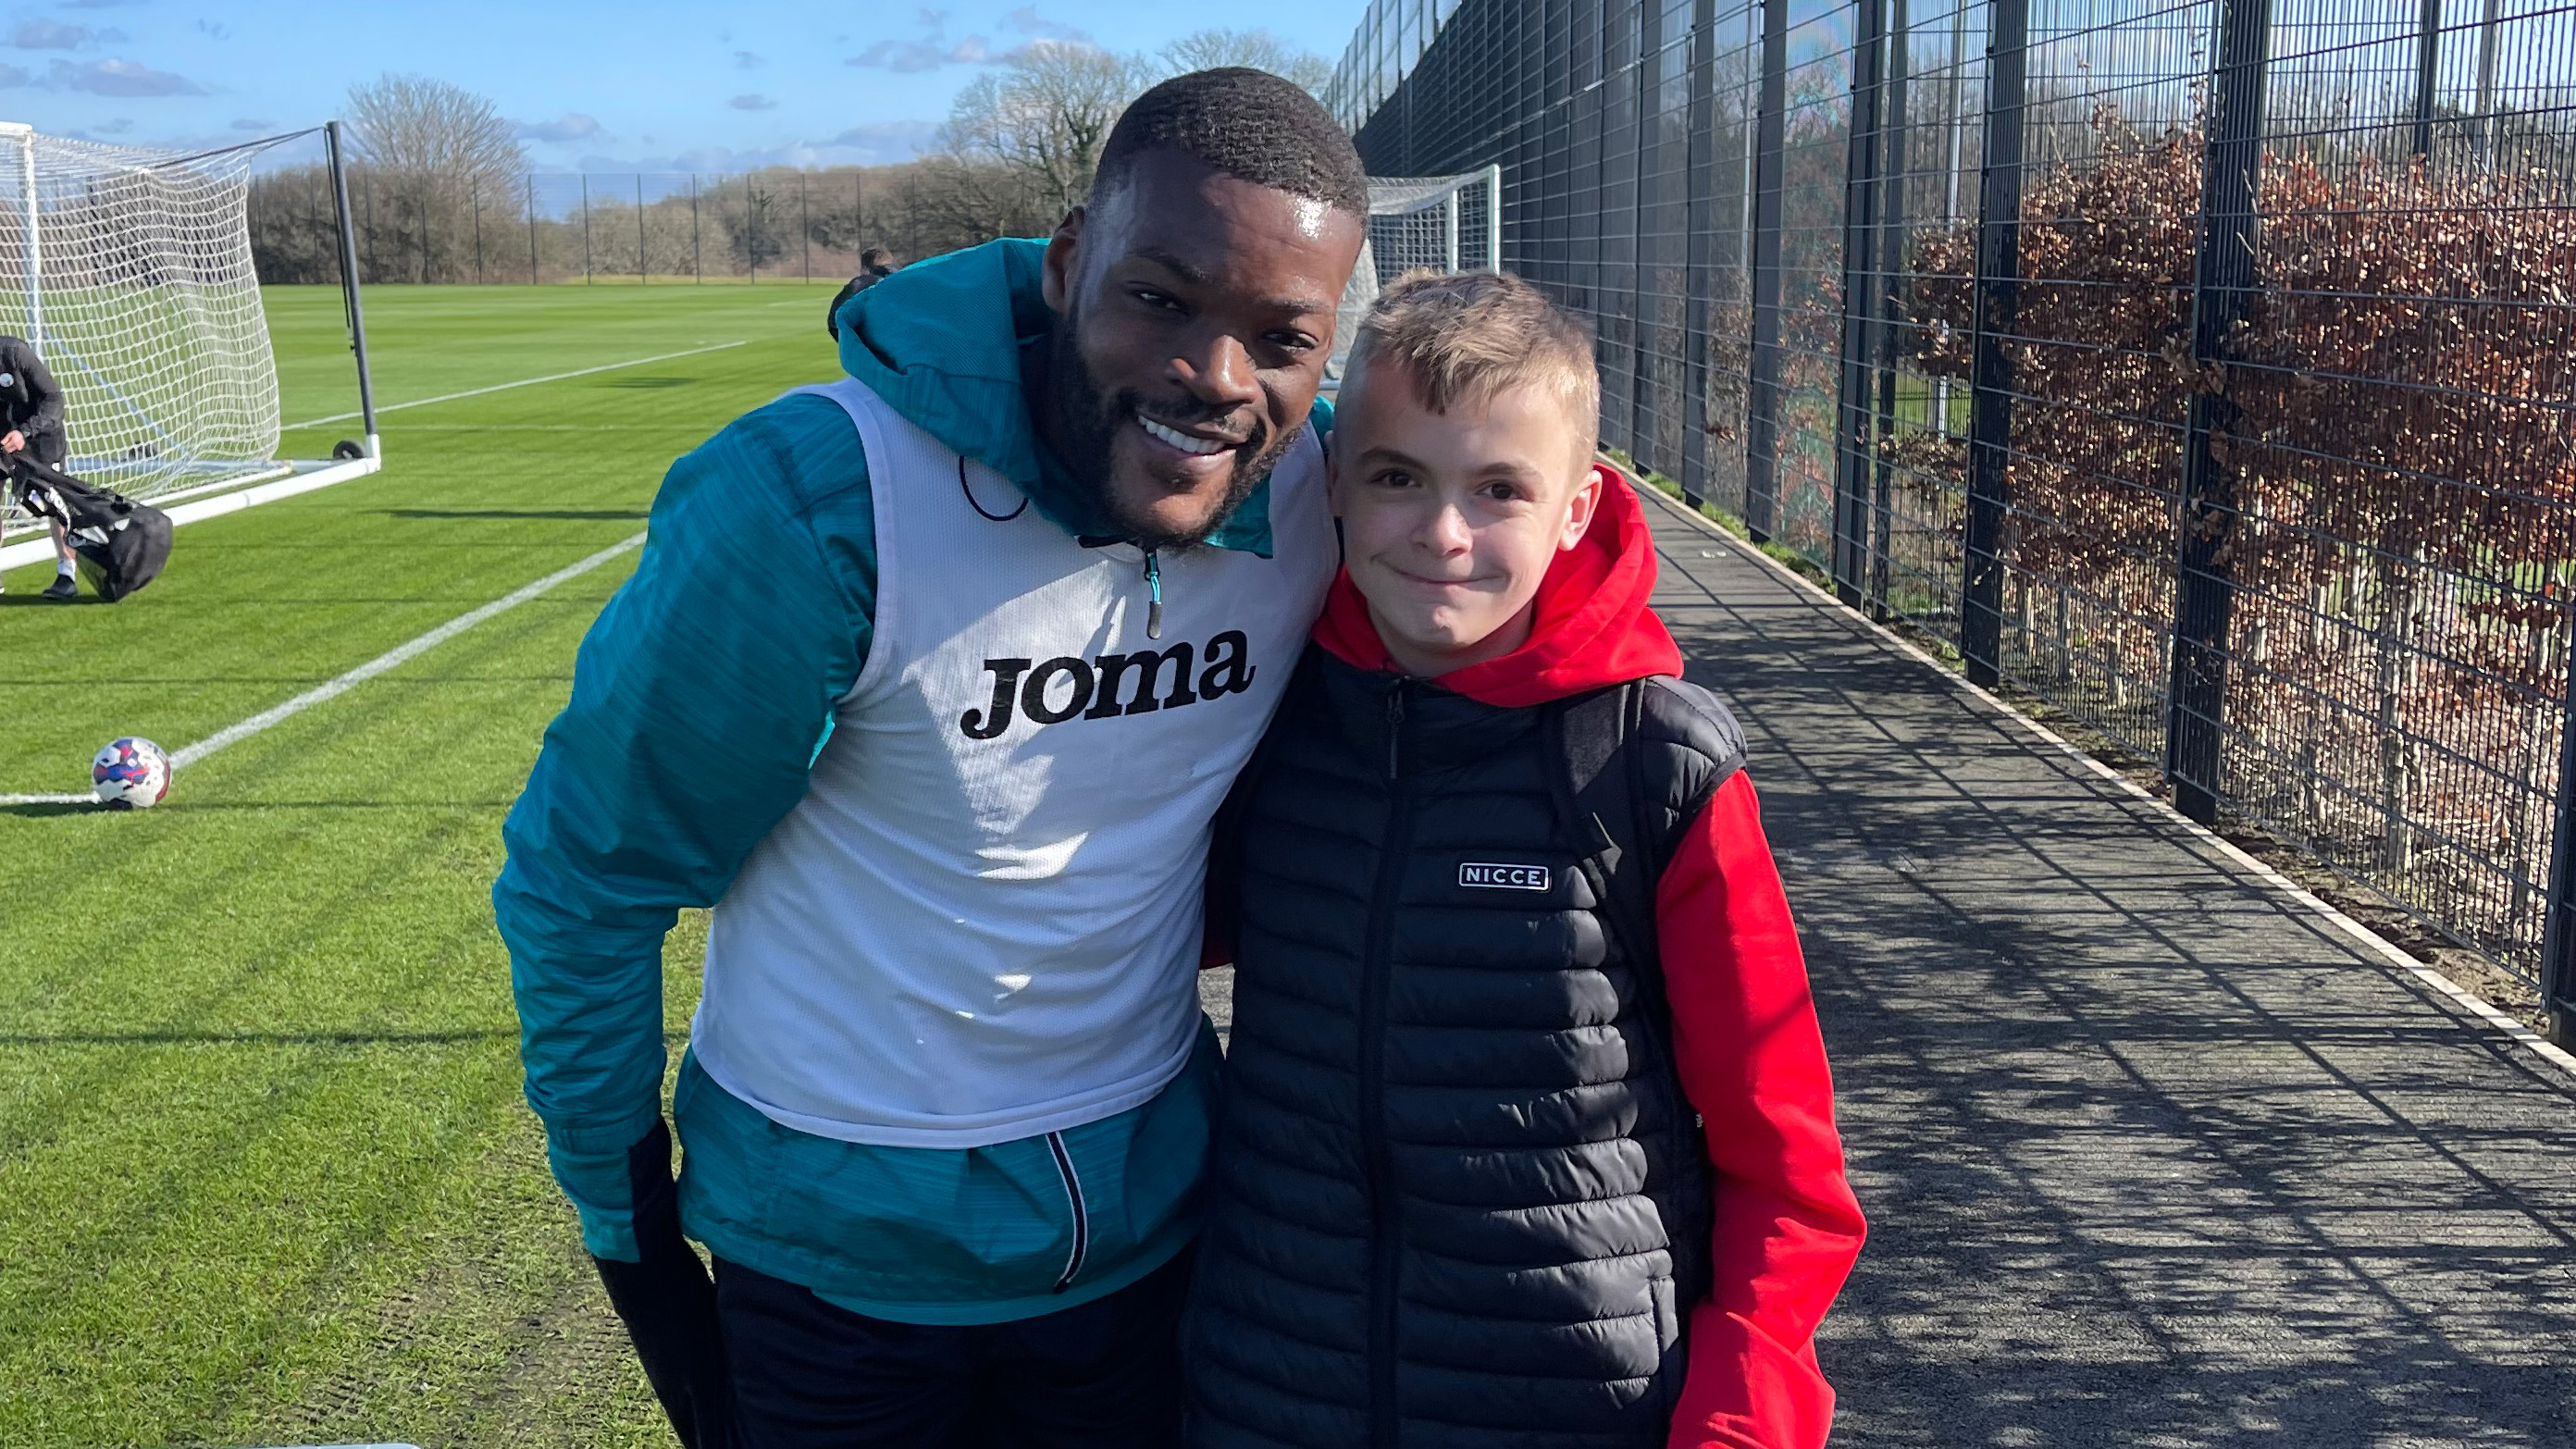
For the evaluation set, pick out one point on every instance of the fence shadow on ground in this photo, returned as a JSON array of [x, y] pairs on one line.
[[2152, 1156]]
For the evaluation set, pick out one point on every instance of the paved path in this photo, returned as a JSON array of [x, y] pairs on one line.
[[2153, 1155]]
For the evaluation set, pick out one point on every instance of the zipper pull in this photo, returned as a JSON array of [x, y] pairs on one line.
[[1394, 725], [1154, 587]]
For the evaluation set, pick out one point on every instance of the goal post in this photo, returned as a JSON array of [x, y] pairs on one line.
[[1439, 223], [129, 271]]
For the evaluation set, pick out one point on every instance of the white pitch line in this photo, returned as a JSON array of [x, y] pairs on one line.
[[391, 658], [422, 402]]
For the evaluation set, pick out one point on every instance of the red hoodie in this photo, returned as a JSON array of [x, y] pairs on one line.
[[1752, 1060]]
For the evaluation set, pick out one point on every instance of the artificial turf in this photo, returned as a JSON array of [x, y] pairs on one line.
[[265, 1173]]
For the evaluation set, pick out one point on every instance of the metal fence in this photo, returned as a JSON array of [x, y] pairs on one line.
[[562, 227], [2204, 368]]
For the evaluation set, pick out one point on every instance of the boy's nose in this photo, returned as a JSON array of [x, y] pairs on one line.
[[1446, 532]]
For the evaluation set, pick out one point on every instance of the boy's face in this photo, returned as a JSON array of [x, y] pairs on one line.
[[1449, 520]]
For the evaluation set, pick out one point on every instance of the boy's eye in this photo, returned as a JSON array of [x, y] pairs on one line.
[[1393, 478]]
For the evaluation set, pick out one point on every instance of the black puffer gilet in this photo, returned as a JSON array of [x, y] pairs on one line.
[[1457, 1197]]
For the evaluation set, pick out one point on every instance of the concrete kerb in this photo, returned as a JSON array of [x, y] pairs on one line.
[[2368, 939]]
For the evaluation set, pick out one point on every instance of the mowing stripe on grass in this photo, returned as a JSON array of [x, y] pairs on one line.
[[398, 655], [422, 402]]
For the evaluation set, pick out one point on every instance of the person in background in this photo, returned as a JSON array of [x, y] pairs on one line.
[[875, 265], [31, 430]]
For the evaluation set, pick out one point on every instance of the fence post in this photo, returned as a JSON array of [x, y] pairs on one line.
[[2428, 73], [2222, 281], [476, 192], [532, 231], [643, 274], [697, 252], [805, 220], [2558, 927], [1860, 308], [1762, 389], [1699, 236], [585, 228], [1647, 170], [1896, 126], [1996, 308]]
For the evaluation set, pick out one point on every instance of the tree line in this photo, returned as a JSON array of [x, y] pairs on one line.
[[442, 191]]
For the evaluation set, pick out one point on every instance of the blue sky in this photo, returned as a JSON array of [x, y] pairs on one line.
[[594, 84]]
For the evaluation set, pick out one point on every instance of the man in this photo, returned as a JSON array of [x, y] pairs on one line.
[[1022, 592], [31, 430], [875, 265]]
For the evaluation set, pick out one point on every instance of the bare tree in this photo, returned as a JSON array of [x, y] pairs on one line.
[[429, 153], [1259, 49], [1044, 117]]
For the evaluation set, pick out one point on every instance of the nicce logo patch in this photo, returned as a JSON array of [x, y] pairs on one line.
[[1488, 876]]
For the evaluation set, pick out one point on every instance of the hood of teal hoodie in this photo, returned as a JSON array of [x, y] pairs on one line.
[[944, 342]]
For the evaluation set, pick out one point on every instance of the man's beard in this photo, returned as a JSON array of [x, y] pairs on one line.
[[1088, 421]]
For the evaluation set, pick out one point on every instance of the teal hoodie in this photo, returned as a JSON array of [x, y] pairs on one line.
[[700, 698]]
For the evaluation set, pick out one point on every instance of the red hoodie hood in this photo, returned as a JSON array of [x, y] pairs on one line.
[[1594, 626]]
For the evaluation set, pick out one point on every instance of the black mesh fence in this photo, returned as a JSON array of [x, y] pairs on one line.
[[2205, 369]]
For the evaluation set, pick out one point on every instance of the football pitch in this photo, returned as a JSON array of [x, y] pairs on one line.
[[265, 1172]]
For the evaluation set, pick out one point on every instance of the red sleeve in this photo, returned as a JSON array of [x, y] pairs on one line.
[[1753, 1064]]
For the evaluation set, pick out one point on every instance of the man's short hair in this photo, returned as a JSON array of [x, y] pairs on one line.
[[1463, 337], [1243, 123]]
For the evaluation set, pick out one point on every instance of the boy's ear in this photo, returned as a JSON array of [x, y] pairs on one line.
[[1580, 508]]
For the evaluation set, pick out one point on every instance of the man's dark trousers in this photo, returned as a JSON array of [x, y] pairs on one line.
[[810, 1375]]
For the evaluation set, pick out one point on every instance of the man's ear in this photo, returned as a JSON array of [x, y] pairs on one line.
[[1580, 508], [1063, 255]]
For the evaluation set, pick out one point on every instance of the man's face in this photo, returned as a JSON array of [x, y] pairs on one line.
[[1450, 520], [1195, 315]]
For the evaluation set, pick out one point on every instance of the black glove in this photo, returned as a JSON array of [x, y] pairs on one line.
[[669, 1305]]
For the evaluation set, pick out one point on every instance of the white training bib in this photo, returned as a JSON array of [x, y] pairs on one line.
[[983, 920]]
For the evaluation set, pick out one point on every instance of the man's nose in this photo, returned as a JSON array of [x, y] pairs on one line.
[[1218, 373]]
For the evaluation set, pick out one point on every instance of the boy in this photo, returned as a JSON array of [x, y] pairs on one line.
[[1459, 1195]]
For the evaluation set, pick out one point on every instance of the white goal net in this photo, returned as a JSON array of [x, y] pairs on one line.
[[1439, 223], [130, 272]]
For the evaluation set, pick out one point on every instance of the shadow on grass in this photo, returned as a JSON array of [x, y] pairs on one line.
[[39, 809], [39, 601], [255, 1038], [603, 513]]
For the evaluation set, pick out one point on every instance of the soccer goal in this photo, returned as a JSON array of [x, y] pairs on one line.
[[1443, 223], [129, 272]]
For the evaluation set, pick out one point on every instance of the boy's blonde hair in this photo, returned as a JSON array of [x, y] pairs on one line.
[[1462, 337]]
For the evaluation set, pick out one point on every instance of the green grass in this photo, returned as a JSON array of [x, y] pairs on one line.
[[265, 1174]]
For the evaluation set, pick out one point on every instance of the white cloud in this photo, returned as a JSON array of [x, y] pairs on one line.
[[570, 126], [120, 78], [745, 60], [42, 34], [248, 124], [752, 103], [1027, 21]]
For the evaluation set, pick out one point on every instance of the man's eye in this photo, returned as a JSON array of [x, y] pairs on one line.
[[1152, 298], [1292, 341]]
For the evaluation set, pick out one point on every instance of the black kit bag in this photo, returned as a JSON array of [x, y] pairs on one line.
[[122, 544]]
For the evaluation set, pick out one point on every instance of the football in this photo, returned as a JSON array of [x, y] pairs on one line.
[[130, 774]]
